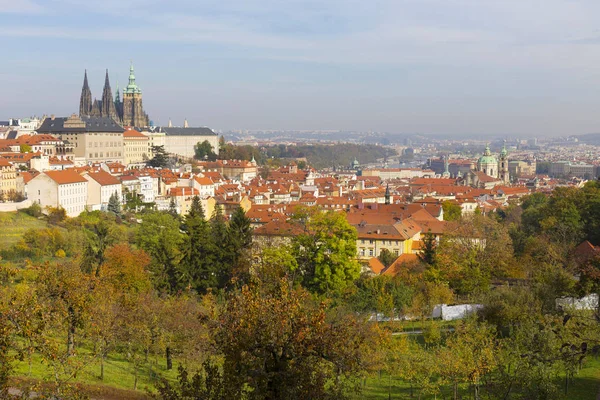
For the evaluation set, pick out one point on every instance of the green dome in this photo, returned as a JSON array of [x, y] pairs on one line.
[[487, 157]]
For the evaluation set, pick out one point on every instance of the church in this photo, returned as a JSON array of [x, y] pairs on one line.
[[127, 111], [491, 171]]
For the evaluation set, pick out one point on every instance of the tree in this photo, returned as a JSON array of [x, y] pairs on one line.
[[25, 148], [114, 204], [199, 270], [160, 158], [173, 208], [159, 235], [239, 232], [452, 211], [386, 257], [278, 344], [326, 250], [56, 215], [428, 253], [203, 151]]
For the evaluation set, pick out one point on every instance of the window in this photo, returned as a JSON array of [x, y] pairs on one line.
[[371, 252]]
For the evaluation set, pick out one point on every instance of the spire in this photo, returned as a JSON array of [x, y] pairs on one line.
[[185, 123], [132, 87], [170, 123], [108, 106], [85, 101], [487, 150]]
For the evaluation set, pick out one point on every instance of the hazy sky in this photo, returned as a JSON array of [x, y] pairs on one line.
[[428, 66]]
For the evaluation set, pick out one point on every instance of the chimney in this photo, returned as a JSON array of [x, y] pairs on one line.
[[52, 117], [185, 123]]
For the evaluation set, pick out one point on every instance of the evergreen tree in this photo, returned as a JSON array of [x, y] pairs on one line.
[[173, 208], [222, 248], [198, 260], [428, 253], [114, 204], [160, 159]]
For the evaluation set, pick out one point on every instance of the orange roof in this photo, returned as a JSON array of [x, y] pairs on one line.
[[376, 265], [183, 191], [132, 133], [4, 162], [398, 265], [104, 178], [204, 181], [278, 228], [65, 177]]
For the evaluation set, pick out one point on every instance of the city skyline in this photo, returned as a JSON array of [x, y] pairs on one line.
[[435, 67]]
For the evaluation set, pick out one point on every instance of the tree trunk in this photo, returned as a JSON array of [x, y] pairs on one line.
[[135, 376], [169, 358], [455, 387], [102, 367], [71, 332]]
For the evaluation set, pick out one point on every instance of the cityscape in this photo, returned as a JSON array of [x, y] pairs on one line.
[[334, 210]]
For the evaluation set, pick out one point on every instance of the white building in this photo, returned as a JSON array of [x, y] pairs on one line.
[[66, 189], [101, 186]]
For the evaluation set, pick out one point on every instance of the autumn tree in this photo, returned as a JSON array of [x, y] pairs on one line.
[[279, 344]]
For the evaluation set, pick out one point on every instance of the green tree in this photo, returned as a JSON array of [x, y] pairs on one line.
[[325, 250], [239, 233], [452, 211], [25, 148], [159, 235], [203, 151], [199, 265], [160, 158], [428, 253], [386, 257], [114, 204]]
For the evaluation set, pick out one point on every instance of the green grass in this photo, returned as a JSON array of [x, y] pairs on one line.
[[585, 386], [14, 224], [119, 375]]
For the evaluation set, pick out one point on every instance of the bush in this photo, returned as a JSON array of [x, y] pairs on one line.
[[56, 215], [35, 210]]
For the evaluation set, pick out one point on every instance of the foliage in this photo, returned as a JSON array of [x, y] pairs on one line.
[[204, 151], [325, 251], [452, 211], [114, 204], [386, 257], [160, 158], [279, 344], [56, 215], [35, 210]]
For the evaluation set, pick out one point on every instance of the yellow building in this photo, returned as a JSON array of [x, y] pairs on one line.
[[136, 147], [8, 177], [397, 237]]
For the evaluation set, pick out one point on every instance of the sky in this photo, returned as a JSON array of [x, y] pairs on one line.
[[485, 67]]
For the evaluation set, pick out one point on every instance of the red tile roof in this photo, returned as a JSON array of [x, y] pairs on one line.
[[65, 177]]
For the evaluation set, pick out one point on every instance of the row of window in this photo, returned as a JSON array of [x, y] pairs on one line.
[[383, 242], [371, 252], [108, 154]]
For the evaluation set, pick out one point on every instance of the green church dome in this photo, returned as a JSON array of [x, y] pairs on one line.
[[487, 157]]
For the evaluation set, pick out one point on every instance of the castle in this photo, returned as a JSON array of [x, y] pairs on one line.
[[128, 111]]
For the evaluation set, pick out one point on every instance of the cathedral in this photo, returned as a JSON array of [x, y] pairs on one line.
[[490, 171], [127, 111]]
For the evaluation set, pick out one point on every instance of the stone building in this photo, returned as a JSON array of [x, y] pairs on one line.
[[94, 139], [128, 111]]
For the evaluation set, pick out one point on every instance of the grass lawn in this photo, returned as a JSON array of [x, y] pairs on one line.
[[585, 386], [118, 376], [14, 224]]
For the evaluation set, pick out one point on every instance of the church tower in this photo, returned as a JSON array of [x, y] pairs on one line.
[[133, 111], [503, 166], [118, 104], [85, 102], [108, 106]]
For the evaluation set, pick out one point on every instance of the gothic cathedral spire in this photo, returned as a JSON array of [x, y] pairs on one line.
[[85, 102], [108, 105]]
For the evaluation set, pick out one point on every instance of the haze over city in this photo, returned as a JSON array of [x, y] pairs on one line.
[[440, 67]]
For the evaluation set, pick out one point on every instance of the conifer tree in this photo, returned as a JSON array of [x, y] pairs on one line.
[[114, 204], [198, 260]]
